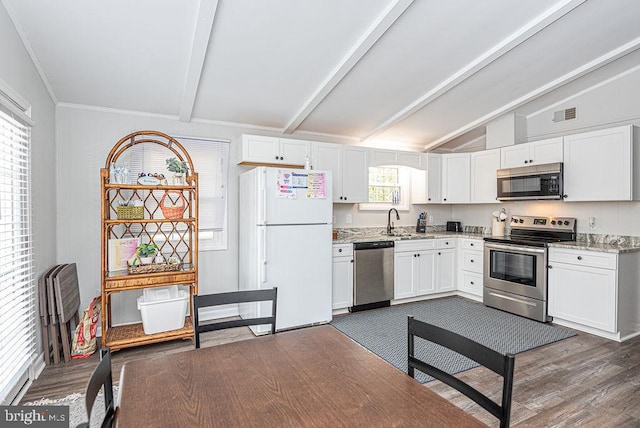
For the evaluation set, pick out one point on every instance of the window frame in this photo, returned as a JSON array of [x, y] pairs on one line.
[[404, 180]]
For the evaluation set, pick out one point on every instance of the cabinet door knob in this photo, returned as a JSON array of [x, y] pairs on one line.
[[418, 254], [471, 260], [530, 160], [471, 282], [471, 244], [579, 257], [415, 255], [351, 261], [281, 158], [277, 157], [550, 267], [340, 197], [428, 199], [526, 161], [345, 198], [339, 250], [439, 253], [444, 199]]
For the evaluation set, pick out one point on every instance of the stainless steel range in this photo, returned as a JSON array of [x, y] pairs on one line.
[[515, 266]]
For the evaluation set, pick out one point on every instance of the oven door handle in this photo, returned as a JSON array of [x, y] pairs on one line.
[[515, 249]]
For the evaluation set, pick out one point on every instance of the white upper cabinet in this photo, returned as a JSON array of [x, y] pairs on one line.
[[484, 165], [599, 165], [382, 157], [456, 178], [355, 174], [426, 186], [535, 153], [350, 170], [261, 150]]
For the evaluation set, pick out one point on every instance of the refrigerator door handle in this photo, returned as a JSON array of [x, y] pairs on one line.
[[263, 256], [262, 205]]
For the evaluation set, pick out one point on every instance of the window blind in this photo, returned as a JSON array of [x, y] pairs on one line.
[[17, 285], [211, 161]]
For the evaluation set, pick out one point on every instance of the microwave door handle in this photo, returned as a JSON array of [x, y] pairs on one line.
[[514, 249]]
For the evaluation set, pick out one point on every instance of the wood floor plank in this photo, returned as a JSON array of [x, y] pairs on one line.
[[584, 381]]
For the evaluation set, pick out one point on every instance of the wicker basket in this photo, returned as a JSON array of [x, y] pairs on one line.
[[173, 212], [130, 213], [154, 267]]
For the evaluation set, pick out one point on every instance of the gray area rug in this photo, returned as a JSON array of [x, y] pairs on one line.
[[77, 411], [384, 332]]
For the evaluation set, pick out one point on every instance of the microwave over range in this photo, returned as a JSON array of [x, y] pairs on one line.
[[531, 182]]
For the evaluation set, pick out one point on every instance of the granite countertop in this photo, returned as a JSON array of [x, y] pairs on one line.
[[612, 247], [615, 244], [368, 234]]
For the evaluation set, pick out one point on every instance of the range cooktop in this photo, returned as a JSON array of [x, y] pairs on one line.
[[538, 231]]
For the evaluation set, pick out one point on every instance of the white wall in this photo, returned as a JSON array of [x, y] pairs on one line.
[[19, 73], [362, 218], [612, 218], [85, 136], [605, 104]]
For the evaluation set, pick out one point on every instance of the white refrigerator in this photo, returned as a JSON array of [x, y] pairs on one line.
[[285, 242]]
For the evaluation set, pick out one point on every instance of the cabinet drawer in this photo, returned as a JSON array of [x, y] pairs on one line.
[[343, 250], [472, 261], [446, 243], [415, 245], [471, 283], [471, 244], [584, 258]]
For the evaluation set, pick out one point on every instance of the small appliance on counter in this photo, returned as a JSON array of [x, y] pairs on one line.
[[421, 226], [454, 226]]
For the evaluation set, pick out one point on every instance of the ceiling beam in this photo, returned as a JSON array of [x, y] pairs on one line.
[[542, 90], [524, 33], [382, 23], [201, 37]]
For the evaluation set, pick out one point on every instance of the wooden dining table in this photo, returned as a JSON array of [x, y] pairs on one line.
[[314, 376]]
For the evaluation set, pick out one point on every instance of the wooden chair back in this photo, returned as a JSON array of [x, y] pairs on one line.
[[101, 378], [489, 358], [248, 296]]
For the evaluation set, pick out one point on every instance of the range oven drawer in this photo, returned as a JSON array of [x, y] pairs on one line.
[[515, 304]]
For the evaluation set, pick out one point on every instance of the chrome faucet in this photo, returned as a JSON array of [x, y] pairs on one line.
[[389, 227]]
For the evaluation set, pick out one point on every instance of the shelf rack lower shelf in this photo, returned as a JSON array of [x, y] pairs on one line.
[[130, 335]]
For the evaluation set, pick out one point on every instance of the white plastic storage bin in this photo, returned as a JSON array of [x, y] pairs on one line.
[[163, 309]]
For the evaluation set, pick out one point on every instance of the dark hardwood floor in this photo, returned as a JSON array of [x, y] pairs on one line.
[[582, 381]]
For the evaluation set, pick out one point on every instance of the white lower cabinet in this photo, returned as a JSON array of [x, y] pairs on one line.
[[595, 291], [342, 276], [584, 295], [423, 267], [445, 276], [470, 265]]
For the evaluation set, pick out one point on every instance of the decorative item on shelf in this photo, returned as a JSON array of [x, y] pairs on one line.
[[146, 252], [119, 174], [179, 169], [130, 210], [154, 267], [499, 221], [154, 179], [173, 211]]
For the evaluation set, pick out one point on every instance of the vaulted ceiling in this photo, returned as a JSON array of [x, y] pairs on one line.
[[406, 73]]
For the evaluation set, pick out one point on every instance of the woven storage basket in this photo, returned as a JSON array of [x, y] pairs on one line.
[[154, 267], [176, 211], [130, 213]]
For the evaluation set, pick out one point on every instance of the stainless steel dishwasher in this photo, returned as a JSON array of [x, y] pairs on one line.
[[372, 275]]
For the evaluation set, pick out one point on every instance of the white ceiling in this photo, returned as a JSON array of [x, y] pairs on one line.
[[405, 73]]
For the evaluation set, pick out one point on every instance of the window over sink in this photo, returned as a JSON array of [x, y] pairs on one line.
[[388, 188]]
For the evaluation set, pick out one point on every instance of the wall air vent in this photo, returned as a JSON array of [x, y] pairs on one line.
[[566, 114]]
